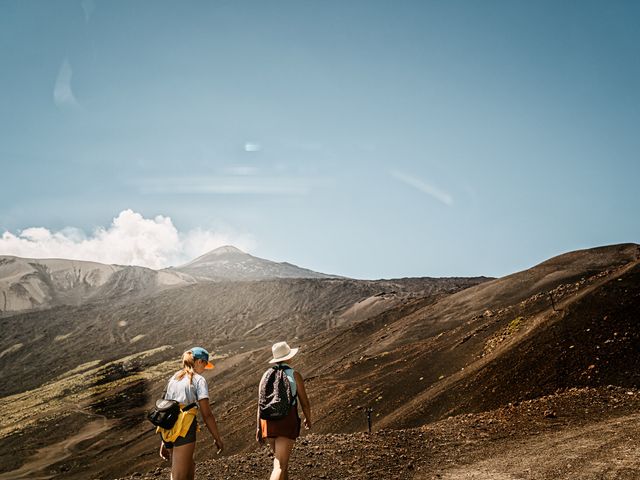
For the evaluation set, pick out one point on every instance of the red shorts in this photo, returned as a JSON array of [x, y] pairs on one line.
[[288, 426]]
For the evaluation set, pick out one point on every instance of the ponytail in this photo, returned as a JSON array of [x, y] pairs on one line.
[[188, 362]]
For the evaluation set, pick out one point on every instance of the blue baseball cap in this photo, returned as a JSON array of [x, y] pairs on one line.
[[201, 354]]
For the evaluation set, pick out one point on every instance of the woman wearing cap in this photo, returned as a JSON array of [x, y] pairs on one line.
[[281, 434], [188, 387]]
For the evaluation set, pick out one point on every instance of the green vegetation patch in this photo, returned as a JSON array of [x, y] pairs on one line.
[[515, 325]]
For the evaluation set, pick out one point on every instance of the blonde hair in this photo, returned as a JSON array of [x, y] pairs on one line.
[[188, 362]]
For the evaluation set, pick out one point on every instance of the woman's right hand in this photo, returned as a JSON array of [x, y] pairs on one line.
[[259, 438], [307, 423]]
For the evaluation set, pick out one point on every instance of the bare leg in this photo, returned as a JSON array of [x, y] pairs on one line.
[[192, 470], [182, 464], [281, 447], [272, 444]]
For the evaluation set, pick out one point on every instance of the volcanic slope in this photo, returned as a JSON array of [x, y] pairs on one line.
[[105, 361], [481, 348], [568, 322], [566, 325], [28, 283], [229, 317]]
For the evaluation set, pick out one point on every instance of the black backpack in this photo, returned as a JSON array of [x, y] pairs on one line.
[[166, 412], [275, 397]]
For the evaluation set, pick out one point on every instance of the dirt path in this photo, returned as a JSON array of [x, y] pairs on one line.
[[45, 457], [592, 434], [605, 450]]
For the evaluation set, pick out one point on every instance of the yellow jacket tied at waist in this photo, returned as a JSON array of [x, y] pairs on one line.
[[180, 429]]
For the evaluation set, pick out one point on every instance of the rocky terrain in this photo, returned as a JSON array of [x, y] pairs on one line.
[[467, 378], [587, 433]]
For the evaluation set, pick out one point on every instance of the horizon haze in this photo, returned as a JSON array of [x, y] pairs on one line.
[[369, 139]]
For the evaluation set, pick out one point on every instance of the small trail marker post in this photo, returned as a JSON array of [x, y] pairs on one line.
[[369, 410], [553, 303]]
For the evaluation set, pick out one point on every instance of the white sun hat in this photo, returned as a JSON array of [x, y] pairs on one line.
[[281, 352]]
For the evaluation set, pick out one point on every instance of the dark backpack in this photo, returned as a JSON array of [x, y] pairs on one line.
[[275, 397], [166, 412]]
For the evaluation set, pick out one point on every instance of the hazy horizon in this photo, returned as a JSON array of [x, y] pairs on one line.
[[367, 139]]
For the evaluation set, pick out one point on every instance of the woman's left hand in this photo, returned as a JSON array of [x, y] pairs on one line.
[[165, 453]]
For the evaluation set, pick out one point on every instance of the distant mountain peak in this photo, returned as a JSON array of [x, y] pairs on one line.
[[231, 263], [225, 249], [216, 255]]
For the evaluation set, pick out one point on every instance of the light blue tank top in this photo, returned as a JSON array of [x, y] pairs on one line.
[[292, 381]]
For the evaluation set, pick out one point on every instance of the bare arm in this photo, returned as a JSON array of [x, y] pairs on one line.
[[258, 430], [210, 421], [304, 400]]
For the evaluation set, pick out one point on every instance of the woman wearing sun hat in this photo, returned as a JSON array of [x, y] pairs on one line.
[[281, 434], [188, 387]]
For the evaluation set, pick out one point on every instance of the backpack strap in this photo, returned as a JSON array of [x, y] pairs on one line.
[[164, 394]]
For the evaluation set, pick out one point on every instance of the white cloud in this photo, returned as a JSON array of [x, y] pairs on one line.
[[62, 93], [252, 147], [424, 187], [131, 239]]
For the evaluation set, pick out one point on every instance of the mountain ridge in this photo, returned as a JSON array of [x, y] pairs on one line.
[[30, 283], [231, 263]]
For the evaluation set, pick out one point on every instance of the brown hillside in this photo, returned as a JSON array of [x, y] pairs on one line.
[[414, 352], [228, 317]]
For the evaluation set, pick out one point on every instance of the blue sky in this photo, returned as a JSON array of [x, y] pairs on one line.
[[363, 138]]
